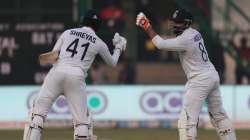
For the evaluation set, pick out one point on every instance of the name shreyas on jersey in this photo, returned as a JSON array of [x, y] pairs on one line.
[[197, 37], [83, 35]]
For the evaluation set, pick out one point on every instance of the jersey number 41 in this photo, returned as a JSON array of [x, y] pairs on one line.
[[72, 48]]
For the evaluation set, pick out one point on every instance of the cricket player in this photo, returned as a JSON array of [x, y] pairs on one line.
[[203, 80], [72, 56]]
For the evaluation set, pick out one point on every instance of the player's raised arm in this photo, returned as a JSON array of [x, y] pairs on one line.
[[120, 45], [167, 44]]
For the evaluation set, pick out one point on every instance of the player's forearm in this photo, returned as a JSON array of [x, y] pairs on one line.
[[111, 60], [158, 42], [168, 44], [151, 33], [115, 57], [49, 57], [156, 39], [120, 44]]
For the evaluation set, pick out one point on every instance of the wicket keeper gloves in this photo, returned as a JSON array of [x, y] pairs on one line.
[[142, 21], [119, 42]]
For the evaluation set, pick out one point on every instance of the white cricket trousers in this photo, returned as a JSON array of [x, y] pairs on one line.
[[199, 90], [72, 87]]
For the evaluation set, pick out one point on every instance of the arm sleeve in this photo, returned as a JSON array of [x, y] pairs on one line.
[[58, 44], [174, 44], [107, 57]]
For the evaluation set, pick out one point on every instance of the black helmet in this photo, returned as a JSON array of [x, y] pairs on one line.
[[91, 19], [184, 17]]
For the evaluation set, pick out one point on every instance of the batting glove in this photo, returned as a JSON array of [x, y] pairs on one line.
[[142, 21], [116, 39], [123, 43], [119, 42]]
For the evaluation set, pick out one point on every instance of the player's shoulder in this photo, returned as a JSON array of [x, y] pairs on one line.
[[101, 44], [99, 40], [191, 34], [67, 31], [72, 30], [79, 29]]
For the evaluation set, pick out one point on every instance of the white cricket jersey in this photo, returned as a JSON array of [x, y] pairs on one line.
[[192, 52], [78, 48]]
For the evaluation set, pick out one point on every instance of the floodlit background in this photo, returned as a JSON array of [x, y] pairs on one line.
[[146, 89]]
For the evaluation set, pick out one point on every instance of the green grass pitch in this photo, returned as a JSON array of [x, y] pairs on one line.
[[121, 134]]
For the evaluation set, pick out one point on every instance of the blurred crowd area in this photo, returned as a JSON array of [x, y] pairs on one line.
[[244, 50], [142, 63]]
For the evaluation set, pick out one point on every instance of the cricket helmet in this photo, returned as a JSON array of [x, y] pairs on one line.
[[91, 19], [182, 20]]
